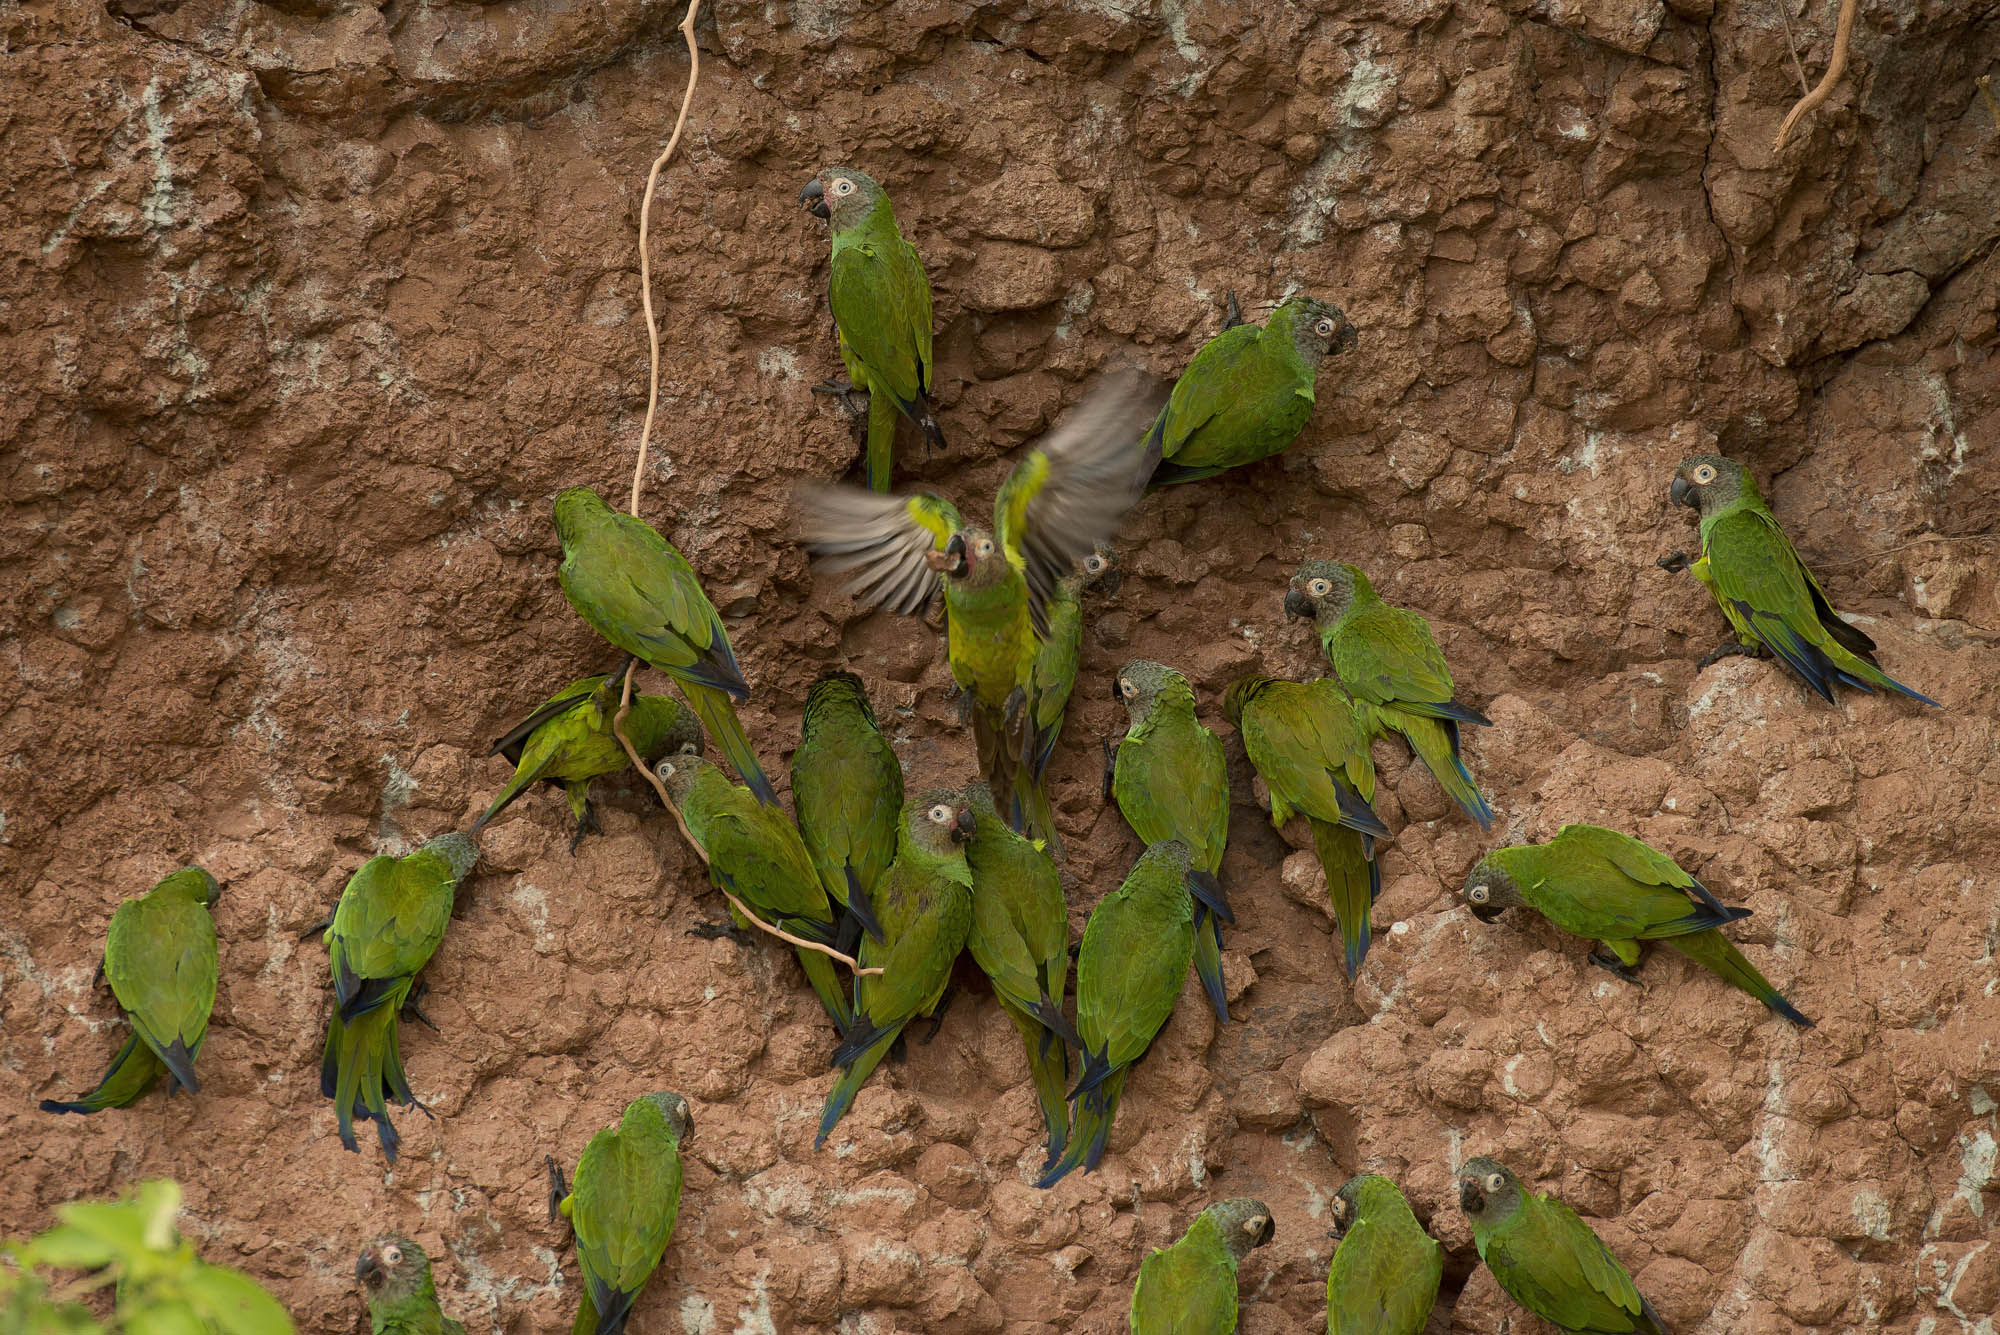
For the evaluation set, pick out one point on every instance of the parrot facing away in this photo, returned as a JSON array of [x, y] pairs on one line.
[[1050, 682], [1171, 781], [1020, 940], [390, 920], [568, 742], [848, 787], [1246, 395], [639, 593], [1064, 499], [1547, 1259], [402, 1297], [1308, 742], [160, 959], [1190, 1287], [623, 1206], [881, 307], [1384, 1277], [1137, 946], [924, 903], [1594, 882], [755, 853], [1772, 601], [1389, 661]]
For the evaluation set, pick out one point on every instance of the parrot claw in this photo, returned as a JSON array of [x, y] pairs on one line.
[[585, 824], [415, 1012], [1232, 313], [1675, 563], [316, 928], [558, 1189], [937, 1015], [1110, 766], [716, 931], [96, 981], [1611, 963], [845, 394], [1728, 649]]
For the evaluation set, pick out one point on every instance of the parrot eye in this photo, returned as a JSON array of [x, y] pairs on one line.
[[842, 186], [940, 814], [1479, 894], [984, 547], [1126, 688], [1495, 1182], [1320, 588], [1093, 563], [1704, 474], [1340, 1208], [392, 1255], [1324, 328]]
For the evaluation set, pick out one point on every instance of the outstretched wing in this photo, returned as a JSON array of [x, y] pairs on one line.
[[887, 541]]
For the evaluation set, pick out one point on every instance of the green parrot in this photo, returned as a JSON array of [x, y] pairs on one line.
[[1246, 395], [1190, 1287], [1136, 950], [640, 594], [160, 959], [1308, 741], [1064, 499], [1772, 601], [756, 853], [1384, 1277], [1547, 1259], [1020, 939], [848, 787], [388, 924], [1594, 882], [1050, 681], [623, 1205], [881, 307], [402, 1298], [1172, 782], [1390, 662], [924, 902], [568, 742]]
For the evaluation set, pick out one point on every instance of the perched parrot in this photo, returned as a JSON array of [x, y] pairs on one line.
[[1136, 950], [1190, 1287], [1308, 741], [882, 308], [1594, 882], [755, 853], [1246, 395], [402, 1299], [1389, 661], [1172, 782], [1064, 499], [160, 959], [640, 594], [1020, 939], [1547, 1259], [1773, 603], [1384, 1277], [924, 903], [389, 922], [848, 787], [1050, 682], [622, 1206], [568, 742]]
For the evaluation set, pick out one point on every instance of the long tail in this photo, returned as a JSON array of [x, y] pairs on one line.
[[131, 1073], [1864, 672], [874, 1046], [360, 1059], [1436, 743], [1714, 952], [1031, 814], [515, 787], [719, 717], [824, 975], [1048, 1064], [998, 764], [1211, 910], [604, 1310], [879, 455], [1353, 880], [1096, 1109]]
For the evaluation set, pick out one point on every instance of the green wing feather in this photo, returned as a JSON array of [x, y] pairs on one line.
[[881, 301], [1556, 1266], [1384, 1277], [160, 959], [623, 1205], [1188, 1288]]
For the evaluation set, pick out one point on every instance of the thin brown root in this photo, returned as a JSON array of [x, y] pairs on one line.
[[1843, 34], [1792, 46]]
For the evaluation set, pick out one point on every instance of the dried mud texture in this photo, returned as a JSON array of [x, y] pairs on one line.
[[311, 307]]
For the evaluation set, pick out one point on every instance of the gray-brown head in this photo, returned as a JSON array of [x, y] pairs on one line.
[[1325, 591], [393, 1270], [1488, 1191], [678, 774], [1318, 328], [938, 823], [1245, 1223], [1709, 482], [843, 196], [680, 1118], [1490, 888]]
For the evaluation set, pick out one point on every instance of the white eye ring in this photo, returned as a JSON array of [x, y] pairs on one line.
[[1093, 563], [1479, 894], [1494, 1182], [1320, 588], [843, 186], [1705, 474], [1126, 688], [986, 546], [940, 814], [392, 1255], [1324, 329]]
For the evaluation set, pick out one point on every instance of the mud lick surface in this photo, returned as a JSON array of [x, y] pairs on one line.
[[309, 308]]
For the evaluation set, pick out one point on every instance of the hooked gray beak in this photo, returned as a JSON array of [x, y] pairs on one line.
[[813, 199], [1682, 494], [1298, 605], [1470, 1198], [368, 1270], [964, 825]]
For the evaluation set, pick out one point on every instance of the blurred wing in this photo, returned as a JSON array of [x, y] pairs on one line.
[[884, 540]]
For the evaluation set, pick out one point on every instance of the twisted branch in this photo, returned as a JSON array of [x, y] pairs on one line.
[[1843, 33]]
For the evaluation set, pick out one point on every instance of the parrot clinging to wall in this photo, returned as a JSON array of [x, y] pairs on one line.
[[1384, 1277], [848, 787], [1050, 682], [1190, 1287], [402, 1297], [623, 1206], [881, 308]]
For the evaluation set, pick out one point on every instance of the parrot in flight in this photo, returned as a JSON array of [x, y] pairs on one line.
[[1772, 601], [924, 903], [755, 853], [622, 1206], [160, 959], [1246, 395], [639, 593], [1308, 742], [1547, 1259], [1137, 946], [1064, 499], [1020, 940], [1389, 661], [1594, 882], [568, 742], [1051, 680], [1190, 1287], [402, 1298], [1385, 1275], [881, 309], [1171, 781], [848, 787], [389, 922]]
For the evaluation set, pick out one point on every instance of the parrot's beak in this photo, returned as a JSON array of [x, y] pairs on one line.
[[813, 199], [1110, 582], [1470, 1198], [1682, 494], [964, 825], [1486, 912], [1298, 605], [1344, 338], [368, 1270], [954, 554]]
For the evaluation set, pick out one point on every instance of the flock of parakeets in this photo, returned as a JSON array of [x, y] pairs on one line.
[[903, 883]]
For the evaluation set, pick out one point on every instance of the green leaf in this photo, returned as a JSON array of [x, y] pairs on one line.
[[234, 1303], [68, 1248], [171, 1317]]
